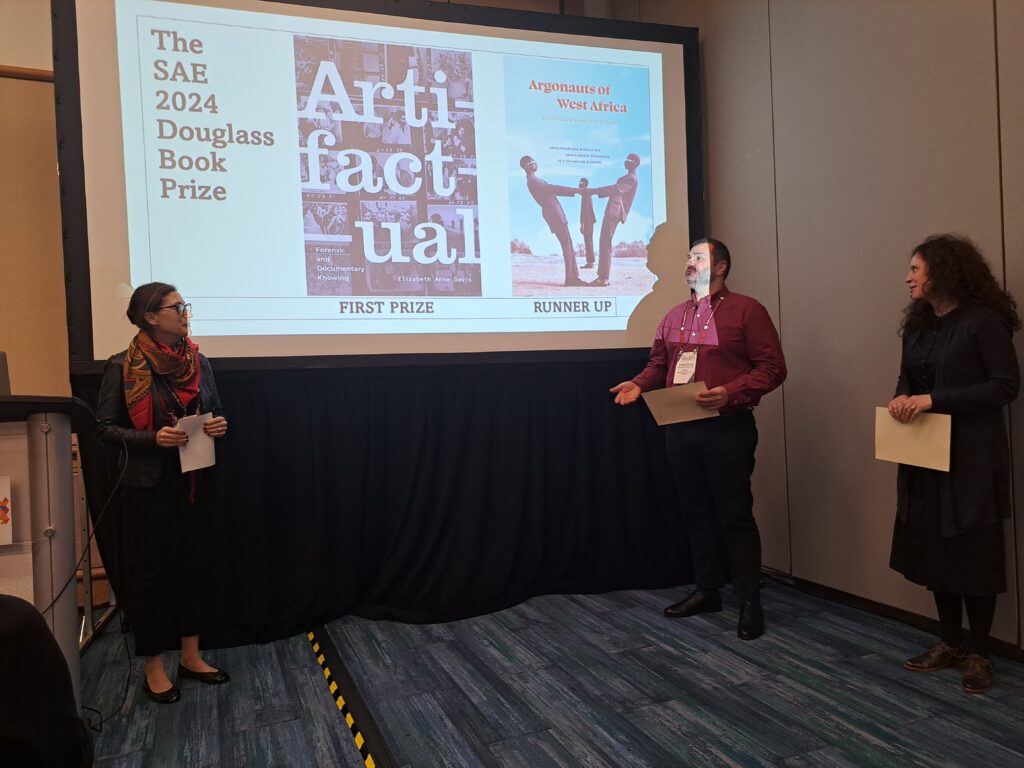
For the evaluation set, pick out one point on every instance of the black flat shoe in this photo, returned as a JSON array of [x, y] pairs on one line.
[[694, 603], [751, 624], [217, 677], [170, 696]]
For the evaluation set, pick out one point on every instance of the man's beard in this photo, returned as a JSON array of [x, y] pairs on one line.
[[700, 283]]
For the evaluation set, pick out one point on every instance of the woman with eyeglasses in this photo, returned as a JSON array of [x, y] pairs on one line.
[[145, 390], [958, 359]]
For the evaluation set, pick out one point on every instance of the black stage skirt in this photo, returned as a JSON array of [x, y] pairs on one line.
[[969, 564]]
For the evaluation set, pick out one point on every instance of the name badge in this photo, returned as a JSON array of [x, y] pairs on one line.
[[686, 367]]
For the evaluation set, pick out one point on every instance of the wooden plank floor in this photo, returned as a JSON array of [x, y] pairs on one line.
[[571, 680]]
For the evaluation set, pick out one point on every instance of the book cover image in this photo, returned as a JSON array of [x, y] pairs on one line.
[[579, 181], [387, 158]]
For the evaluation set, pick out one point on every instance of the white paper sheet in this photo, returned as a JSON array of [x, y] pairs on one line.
[[198, 452]]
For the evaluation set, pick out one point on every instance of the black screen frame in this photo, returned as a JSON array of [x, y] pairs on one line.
[[75, 236]]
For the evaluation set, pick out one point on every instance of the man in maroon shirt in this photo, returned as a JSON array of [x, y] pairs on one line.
[[727, 341]]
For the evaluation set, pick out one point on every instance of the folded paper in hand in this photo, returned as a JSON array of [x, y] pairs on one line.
[[924, 442], [198, 452], [675, 404]]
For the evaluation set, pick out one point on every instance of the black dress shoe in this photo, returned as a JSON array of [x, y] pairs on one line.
[[575, 281], [751, 624], [217, 677], [694, 603], [169, 696]]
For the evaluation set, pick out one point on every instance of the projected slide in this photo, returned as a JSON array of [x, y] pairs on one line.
[[301, 176]]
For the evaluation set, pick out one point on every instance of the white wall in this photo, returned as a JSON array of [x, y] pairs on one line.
[[839, 135]]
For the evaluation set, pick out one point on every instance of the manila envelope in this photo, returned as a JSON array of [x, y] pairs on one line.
[[672, 405], [924, 442]]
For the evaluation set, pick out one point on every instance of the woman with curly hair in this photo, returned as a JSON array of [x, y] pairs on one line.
[[958, 358]]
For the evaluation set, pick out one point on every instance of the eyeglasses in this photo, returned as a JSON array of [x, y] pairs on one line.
[[180, 308]]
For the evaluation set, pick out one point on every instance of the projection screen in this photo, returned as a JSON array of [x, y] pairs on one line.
[[320, 181]]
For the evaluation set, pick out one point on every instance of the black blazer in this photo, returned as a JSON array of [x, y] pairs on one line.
[[976, 374], [146, 460]]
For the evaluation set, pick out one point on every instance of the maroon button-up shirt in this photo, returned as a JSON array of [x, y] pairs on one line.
[[740, 350]]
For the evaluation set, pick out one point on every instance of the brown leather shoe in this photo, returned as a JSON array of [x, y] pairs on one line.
[[694, 603], [977, 674], [939, 656]]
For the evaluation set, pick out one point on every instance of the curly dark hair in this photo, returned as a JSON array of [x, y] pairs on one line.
[[958, 271]]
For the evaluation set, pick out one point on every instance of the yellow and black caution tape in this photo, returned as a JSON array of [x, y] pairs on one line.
[[343, 706]]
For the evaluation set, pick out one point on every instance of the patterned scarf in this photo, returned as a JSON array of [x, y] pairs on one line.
[[176, 374]]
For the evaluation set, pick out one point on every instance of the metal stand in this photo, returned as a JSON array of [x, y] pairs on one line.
[[53, 531]]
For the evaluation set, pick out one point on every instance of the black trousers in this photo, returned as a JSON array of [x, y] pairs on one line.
[[163, 544], [712, 461]]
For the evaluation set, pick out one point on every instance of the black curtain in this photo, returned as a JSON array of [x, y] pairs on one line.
[[422, 493]]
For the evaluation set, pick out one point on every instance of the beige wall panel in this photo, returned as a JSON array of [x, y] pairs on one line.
[[33, 329], [626, 10], [882, 137], [740, 199], [543, 6], [1010, 22], [25, 39]]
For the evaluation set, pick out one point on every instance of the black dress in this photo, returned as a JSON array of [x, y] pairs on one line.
[[164, 519], [970, 563]]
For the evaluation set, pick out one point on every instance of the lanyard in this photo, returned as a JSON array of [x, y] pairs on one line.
[[704, 332]]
